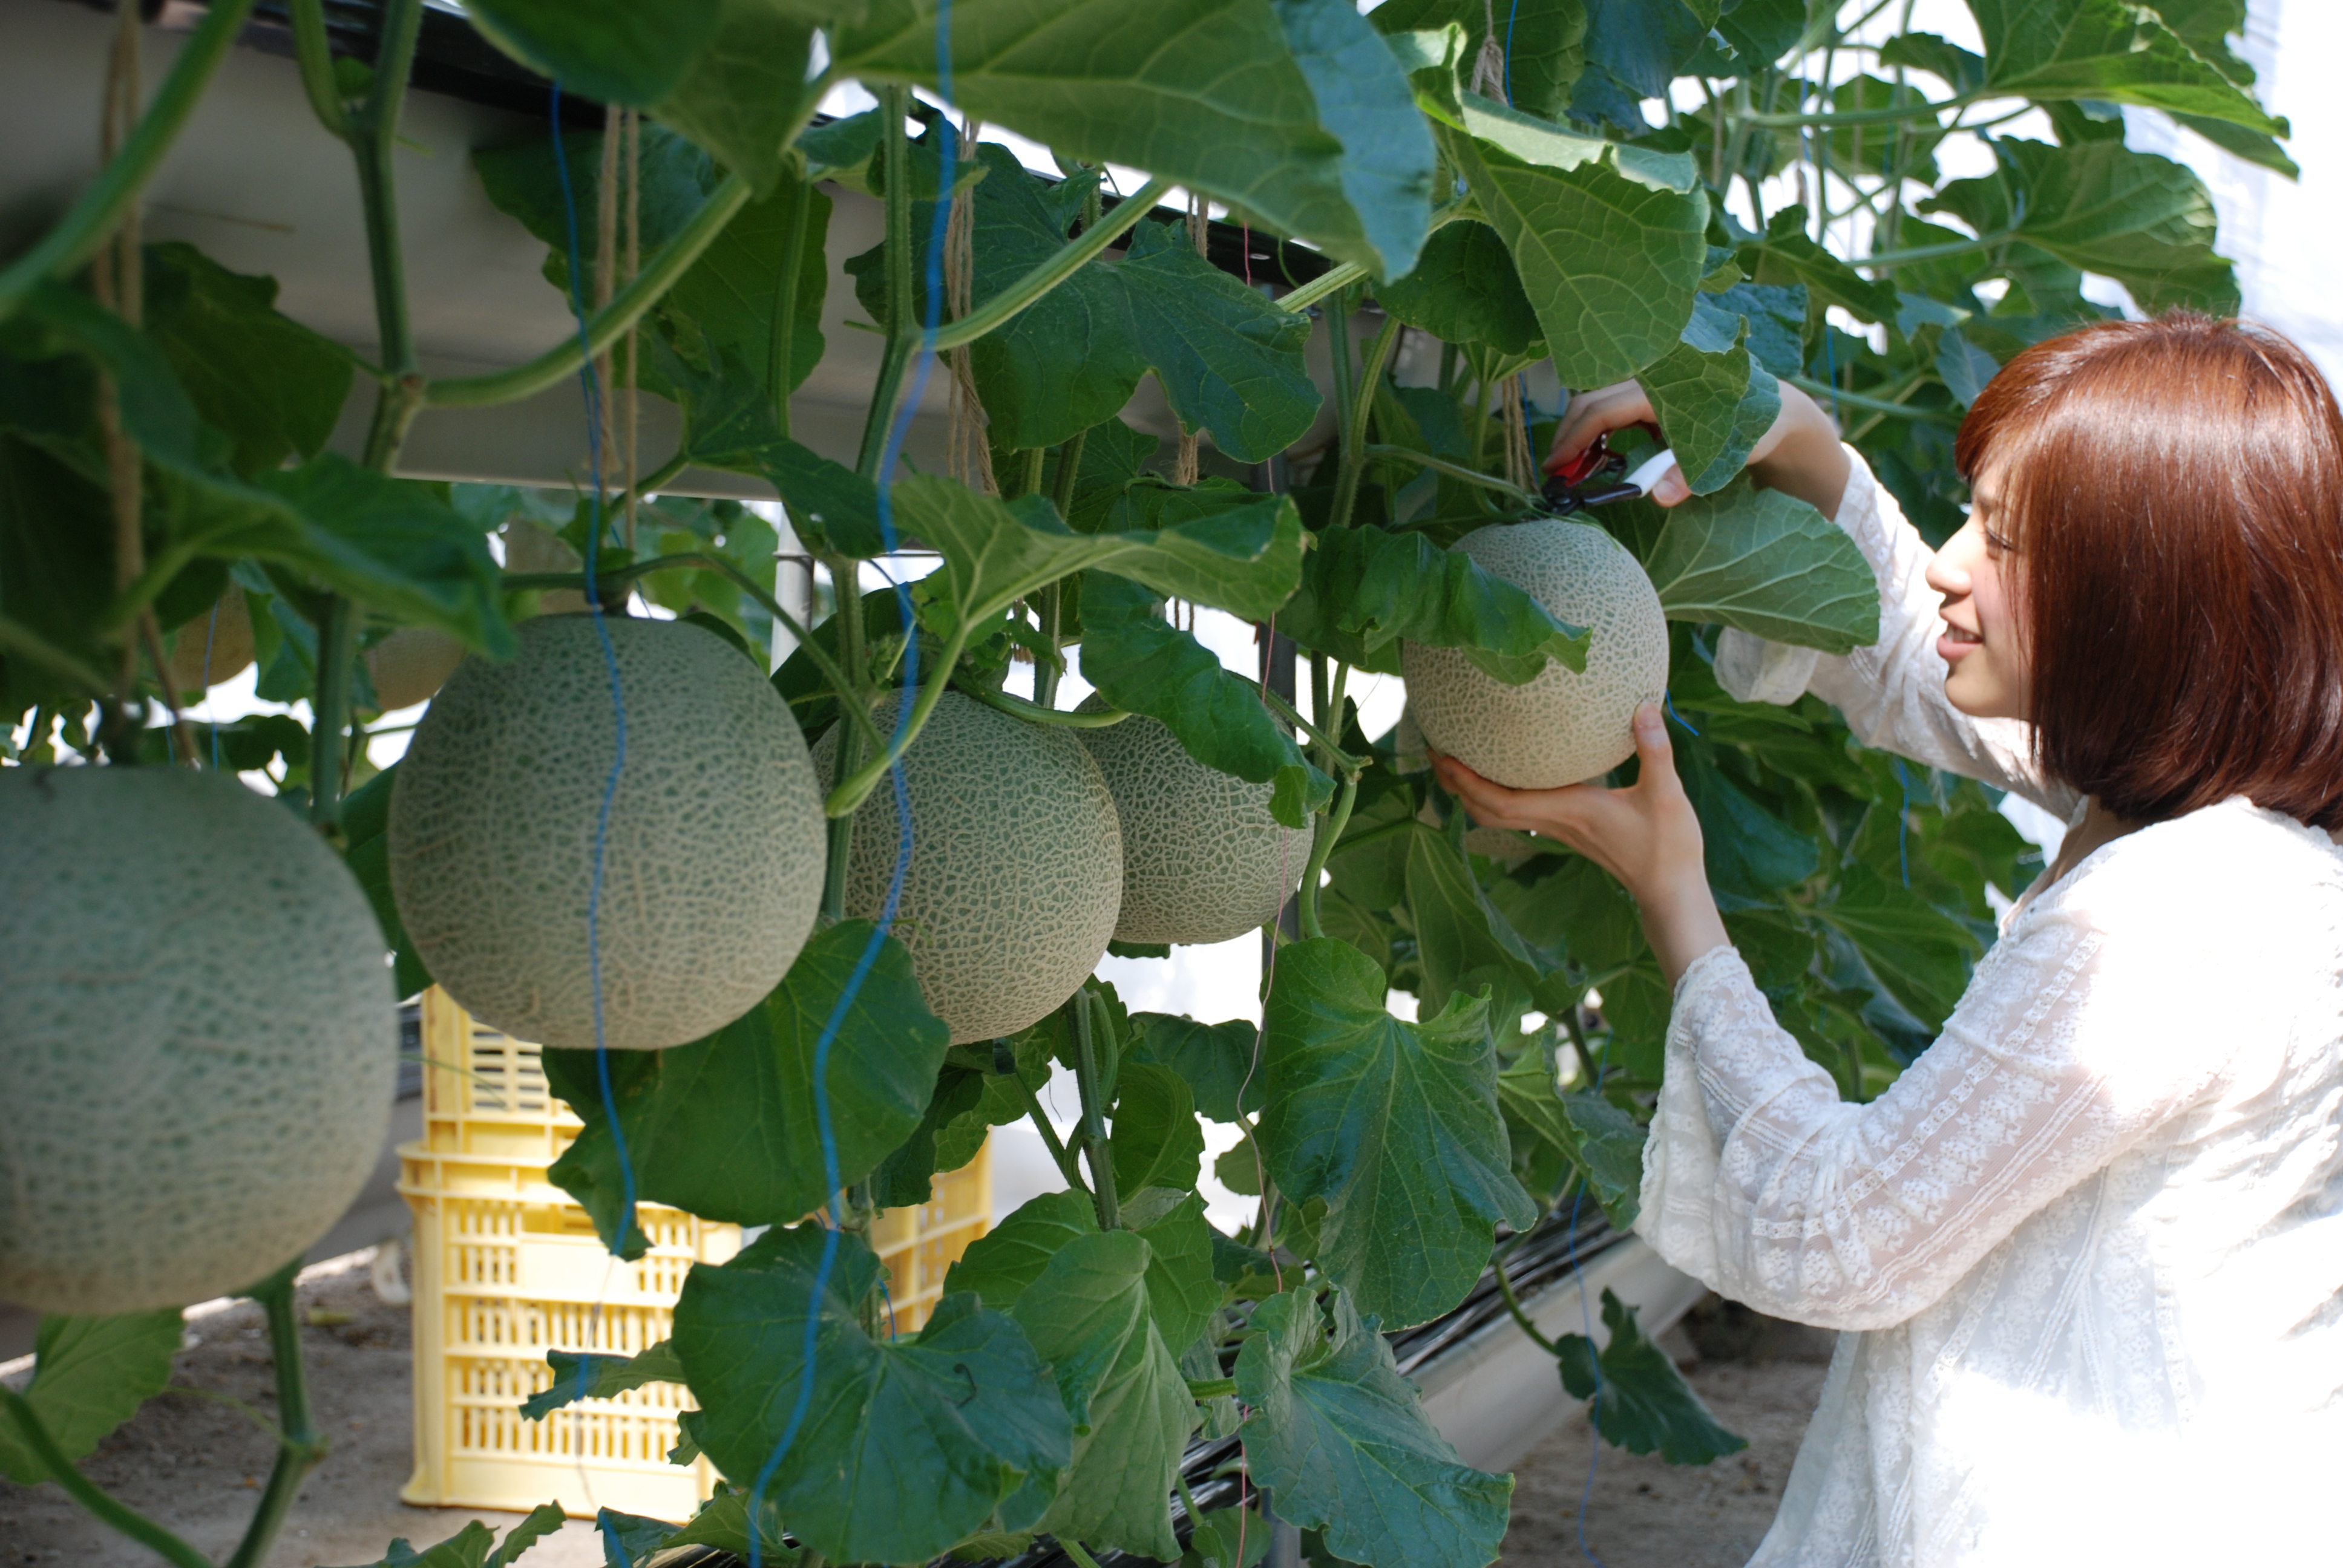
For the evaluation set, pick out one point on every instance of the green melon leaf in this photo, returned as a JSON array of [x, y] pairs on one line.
[[1394, 1124], [1767, 563], [830, 505], [1640, 1401], [90, 1375], [1215, 1059], [1229, 361], [611, 51], [1920, 955], [1245, 560], [1154, 88], [1644, 45], [1602, 1143], [1547, 50], [1961, 70], [1000, 1264], [1713, 399], [1459, 946], [1142, 663], [1365, 100], [1156, 1139], [1964, 368], [744, 96], [1609, 241], [1090, 1318], [1464, 289], [1181, 1292], [576, 1377], [906, 1178], [1364, 589], [2125, 54], [725, 1126], [1788, 255], [1339, 1437], [1751, 854], [476, 1545], [908, 1445], [274, 386]]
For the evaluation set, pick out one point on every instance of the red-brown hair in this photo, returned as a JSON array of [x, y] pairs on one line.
[[2174, 491]]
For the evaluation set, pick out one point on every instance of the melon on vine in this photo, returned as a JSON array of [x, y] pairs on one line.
[[712, 870], [216, 645], [1564, 726], [411, 664], [1016, 868], [1202, 859], [197, 1035]]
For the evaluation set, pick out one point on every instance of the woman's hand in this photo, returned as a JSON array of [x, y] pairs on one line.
[[1646, 835], [1799, 454]]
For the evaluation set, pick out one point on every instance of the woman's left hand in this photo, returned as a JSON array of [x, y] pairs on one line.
[[1647, 835]]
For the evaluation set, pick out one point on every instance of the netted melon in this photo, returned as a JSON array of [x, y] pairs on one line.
[[1202, 859], [216, 645], [712, 873], [411, 664], [1564, 726], [1016, 870], [198, 1038]]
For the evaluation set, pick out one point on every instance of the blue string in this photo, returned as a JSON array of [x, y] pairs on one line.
[[1678, 716], [592, 386], [1511, 16], [1903, 822], [946, 155]]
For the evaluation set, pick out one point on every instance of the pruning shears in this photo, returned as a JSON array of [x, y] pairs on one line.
[[1599, 476]]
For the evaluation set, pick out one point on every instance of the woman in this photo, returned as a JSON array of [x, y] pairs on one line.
[[2089, 1250]]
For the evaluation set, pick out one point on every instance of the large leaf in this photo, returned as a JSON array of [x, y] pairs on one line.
[[1204, 92], [1245, 561], [1464, 290], [89, 1376], [1364, 99], [1181, 1292], [1921, 955], [1788, 255], [1229, 361], [907, 1446], [1339, 1436], [1769, 564], [1751, 854], [1157, 1141], [1459, 946], [1364, 589], [1713, 399], [271, 384], [1215, 1059], [725, 1126], [745, 94], [1644, 45], [1142, 663], [1609, 241], [2110, 50], [1089, 1319], [1640, 1401], [1394, 1124], [1000, 1264], [611, 51]]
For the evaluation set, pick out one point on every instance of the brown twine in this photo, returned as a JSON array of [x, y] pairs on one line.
[[1489, 67], [969, 452], [1183, 467], [1521, 467]]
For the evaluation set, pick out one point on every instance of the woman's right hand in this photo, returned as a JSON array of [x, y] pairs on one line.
[[1798, 454]]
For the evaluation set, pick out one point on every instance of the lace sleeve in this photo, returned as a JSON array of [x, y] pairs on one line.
[[1893, 693], [1762, 1184]]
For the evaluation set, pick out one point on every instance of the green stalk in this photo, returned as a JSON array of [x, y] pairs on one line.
[[93, 218], [316, 57], [1068, 1166], [1887, 115], [1070, 473], [846, 797], [1332, 281], [1028, 478], [1452, 470], [846, 589], [1006, 306], [1095, 1137], [1521, 1317], [1073, 1549], [301, 1446], [337, 648], [1337, 316], [784, 304], [1869, 404], [373, 136], [1353, 451], [21, 641], [1032, 713], [1291, 715], [1053, 611], [1577, 1030], [606, 326], [902, 328], [119, 1516], [1893, 259], [1321, 846]]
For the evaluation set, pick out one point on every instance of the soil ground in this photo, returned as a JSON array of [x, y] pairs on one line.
[[196, 1462]]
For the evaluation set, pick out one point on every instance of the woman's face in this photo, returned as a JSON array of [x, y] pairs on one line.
[[1984, 653]]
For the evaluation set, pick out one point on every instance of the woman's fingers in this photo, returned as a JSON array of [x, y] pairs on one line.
[[1656, 752], [1598, 413], [1673, 487]]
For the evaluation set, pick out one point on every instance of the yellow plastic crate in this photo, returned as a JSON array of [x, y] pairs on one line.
[[508, 1268]]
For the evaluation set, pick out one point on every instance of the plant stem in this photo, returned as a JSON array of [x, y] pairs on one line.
[[301, 1447], [857, 785], [1893, 259], [1095, 1145], [903, 324], [1291, 715], [1005, 305], [337, 644], [1513, 1305], [121, 1517], [1070, 473], [372, 133], [1033, 713], [1452, 470], [1073, 1549], [845, 588], [606, 326], [315, 56], [1353, 453], [1321, 846], [1333, 280], [1869, 404], [1886, 115], [1572, 1026], [782, 356], [1053, 614], [94, 216], [1068, 1166]]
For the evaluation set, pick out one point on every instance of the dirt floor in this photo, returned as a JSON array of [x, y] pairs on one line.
[[195, 1460], [1761, 1379]]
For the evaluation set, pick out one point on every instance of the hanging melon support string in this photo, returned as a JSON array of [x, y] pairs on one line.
[[592, 385], [939, 224]]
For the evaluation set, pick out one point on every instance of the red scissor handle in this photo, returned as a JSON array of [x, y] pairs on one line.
[[1578, 469]]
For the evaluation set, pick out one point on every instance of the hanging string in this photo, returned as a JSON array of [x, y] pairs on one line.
[[630, 393], [1184, 466], [591, 383], [906, 700], [1490, 68], [1521, 467], [969, 450]]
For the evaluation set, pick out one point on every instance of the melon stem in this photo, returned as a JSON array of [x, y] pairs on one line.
[[1095, 1146], [1321, 846], [300, 1447]]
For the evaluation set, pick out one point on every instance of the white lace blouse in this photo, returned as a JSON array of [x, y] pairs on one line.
[[2089, 1250]]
